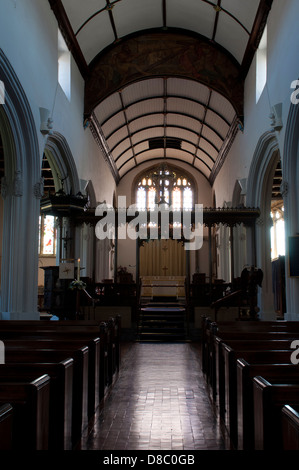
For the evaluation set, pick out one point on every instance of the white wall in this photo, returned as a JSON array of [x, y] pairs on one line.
[[283, 68]]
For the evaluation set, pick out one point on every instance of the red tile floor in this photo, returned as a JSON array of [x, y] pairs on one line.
[[159, 402]]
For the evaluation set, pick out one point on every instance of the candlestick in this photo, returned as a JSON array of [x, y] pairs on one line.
[[78, 274]]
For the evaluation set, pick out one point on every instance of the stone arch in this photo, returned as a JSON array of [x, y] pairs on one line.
[[259, 186], [290, 193], [21, 190], [62, 162]]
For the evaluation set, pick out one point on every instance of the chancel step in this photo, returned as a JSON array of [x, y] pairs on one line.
[[162, 322]]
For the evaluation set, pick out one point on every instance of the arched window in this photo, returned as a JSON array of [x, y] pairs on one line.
[[277, 231], [164, 186], [47, 223]]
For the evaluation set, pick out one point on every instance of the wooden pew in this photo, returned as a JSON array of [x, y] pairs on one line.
[[228, 387], [240, 330], [80, 379], [104, 376], [30, 402], [269, 400], [61, 396], [84, 328], [245, 373], [245, 342], [290, 427], [51, 341], [214, 363], [6, 423]]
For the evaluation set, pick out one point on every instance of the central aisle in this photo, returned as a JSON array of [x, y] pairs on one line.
[[158, 403]]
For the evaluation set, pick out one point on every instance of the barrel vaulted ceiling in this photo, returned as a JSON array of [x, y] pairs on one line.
[[163, 78]]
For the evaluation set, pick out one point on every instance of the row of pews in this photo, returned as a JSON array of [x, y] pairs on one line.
[[55, 377], [253, 382]]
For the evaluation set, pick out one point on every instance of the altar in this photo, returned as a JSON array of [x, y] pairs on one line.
[[162, 286]]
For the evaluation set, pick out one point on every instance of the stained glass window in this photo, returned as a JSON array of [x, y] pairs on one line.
[[47, 235], [277, 232], [163, 185]]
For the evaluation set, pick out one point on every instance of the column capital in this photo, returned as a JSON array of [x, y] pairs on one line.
[[18, 184], [284, 188], [38, 189]]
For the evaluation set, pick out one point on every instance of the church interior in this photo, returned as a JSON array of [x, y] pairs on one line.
[[149, 225]]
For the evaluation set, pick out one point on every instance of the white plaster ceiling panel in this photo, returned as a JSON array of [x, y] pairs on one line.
[[199, 165], [183, 122], [127, 167], [188, 147], [211, 136], [113, 124], [144, 135], [144, 107], [149, 155], [231, 36], [120, 147], [222, 106], [78, 13], [178, 155], [141, 147], [216, 122], [95, 36], [208, 148], [191, 137], [243, 10], [117, 137], [124, 158], [142, 89], [145, 122], [188, 89], [185, 107], [193, 15], [136, 15], [108, 107]]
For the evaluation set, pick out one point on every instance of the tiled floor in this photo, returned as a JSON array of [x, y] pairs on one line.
[[158, 403]]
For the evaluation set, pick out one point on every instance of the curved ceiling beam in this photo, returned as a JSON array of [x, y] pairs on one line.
[[176, 113], [167, 159], [166, 97], [163, 53], [182, 160], [146, 140]]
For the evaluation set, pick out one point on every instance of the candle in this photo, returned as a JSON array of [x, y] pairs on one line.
[[78, 274]]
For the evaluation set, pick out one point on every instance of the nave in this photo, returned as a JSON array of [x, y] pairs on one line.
[[159, 402]]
